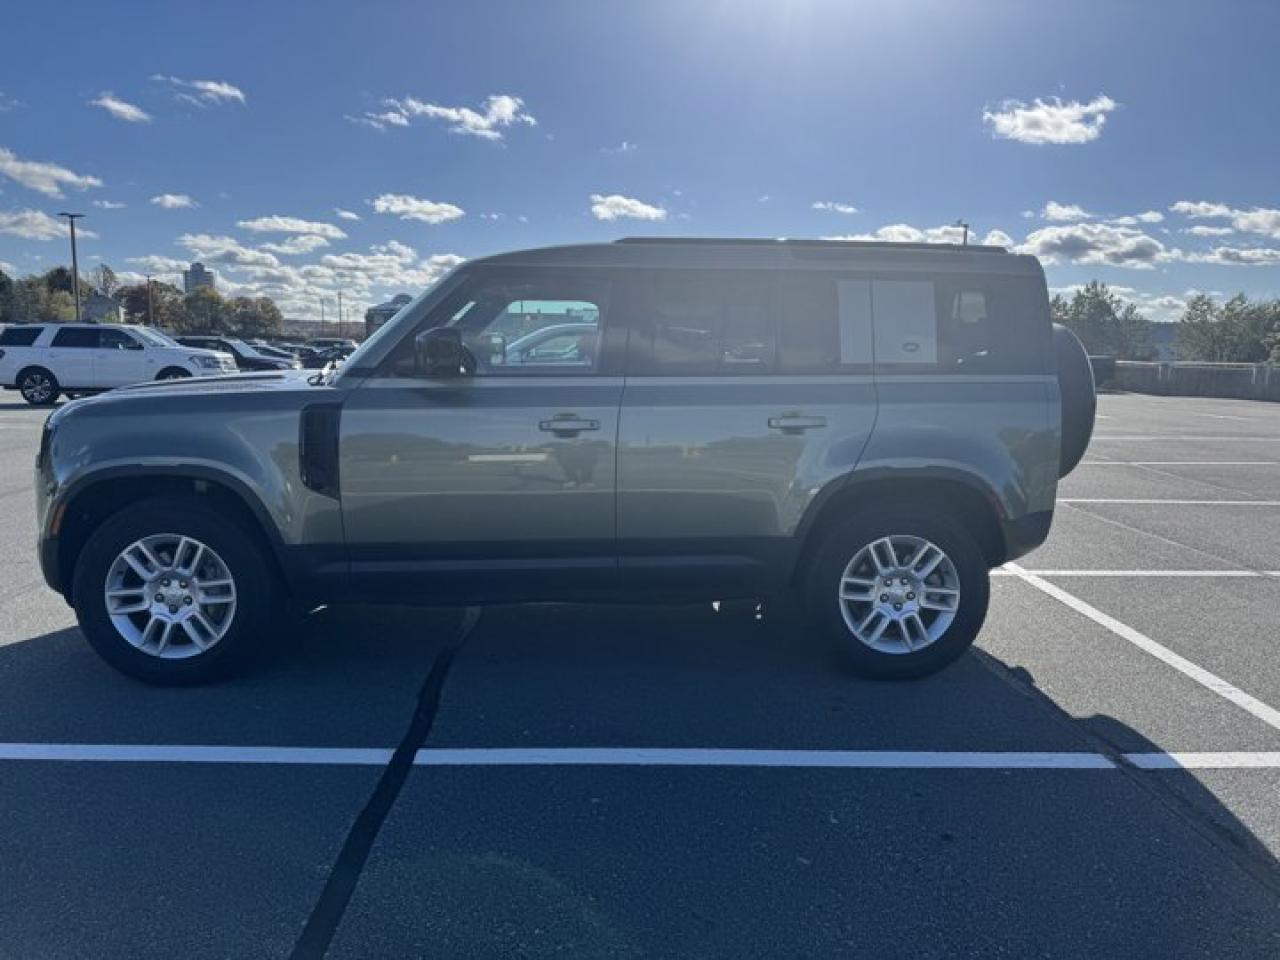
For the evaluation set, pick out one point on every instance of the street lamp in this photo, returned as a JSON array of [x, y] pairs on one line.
[[965, 241], [150, 311], [75, 261]]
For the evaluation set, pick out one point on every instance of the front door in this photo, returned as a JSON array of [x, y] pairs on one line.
[[121, 359], [498, 484], [71, 356]]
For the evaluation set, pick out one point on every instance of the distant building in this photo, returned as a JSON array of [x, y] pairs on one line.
[[196, 277], [375, 317], [99, 308]]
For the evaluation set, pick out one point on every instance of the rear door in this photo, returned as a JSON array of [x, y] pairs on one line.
[[72, 354], [747, 393], [499, 484]]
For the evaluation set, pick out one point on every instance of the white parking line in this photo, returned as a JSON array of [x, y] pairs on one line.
[[1267, 714], [1261, 574], [1178, 503], [1205, 761], [1224, 416], [634, 757], [1155, 437], [1180, 463]]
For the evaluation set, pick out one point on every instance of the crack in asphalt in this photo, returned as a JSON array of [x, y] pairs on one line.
[[314, 941]]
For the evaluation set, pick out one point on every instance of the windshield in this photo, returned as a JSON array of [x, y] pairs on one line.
[[403, 319], [153, 337]]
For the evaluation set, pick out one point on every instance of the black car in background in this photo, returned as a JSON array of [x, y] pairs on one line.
[[246, 356]]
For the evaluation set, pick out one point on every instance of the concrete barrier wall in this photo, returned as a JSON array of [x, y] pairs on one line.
[[1243, 381]]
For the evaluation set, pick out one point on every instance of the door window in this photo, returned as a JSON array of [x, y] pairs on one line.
[[547, 323], [703, 322], [77, 337], [117, 340]]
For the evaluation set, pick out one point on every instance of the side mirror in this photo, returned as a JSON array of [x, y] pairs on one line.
[[439, 352]]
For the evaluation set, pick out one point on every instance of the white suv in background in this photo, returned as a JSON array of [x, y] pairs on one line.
[[43, 361]]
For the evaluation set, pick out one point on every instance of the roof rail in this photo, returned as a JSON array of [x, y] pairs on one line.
[[802, 242]]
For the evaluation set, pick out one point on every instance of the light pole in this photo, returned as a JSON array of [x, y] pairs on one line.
[[75, 260], [150, 309], [965, 241], [340, 330]]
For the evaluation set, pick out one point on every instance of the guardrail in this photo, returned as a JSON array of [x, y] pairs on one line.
[[1242, 381]]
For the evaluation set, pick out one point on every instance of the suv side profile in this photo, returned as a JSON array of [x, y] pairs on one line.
[[43, 361], [870, 427]]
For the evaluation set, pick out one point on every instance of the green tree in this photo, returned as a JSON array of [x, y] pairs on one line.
[[1105, 324], [6, 298], [166, 302], [1238, 331], [255, 317], [204, 310]]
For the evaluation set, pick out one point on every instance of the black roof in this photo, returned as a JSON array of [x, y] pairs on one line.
[[761, 253]]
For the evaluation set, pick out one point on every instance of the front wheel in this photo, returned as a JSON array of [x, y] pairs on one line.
[[901, 593], [170, 592], [173, 373], [39, 387]]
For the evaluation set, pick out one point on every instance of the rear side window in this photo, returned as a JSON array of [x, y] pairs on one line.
[[19, 336], [912, 324], [76, 337], [704, 322]]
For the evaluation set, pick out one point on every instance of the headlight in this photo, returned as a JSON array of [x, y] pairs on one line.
[[208, 363]]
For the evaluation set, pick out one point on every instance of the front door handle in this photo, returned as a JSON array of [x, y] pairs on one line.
[[795, 423], [567, 425]]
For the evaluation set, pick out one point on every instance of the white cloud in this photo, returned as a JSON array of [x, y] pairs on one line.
[[120, 109], [346, 214], [1260, 220], [763, 198], [491, 216], [834, 207], [36, 225], [1050, 121], [298, 243], [1132, 220], [227, 250], [109, 204], [174, 201], [997, 238], [159, 267], [615, 207], [1157, 307], [497, 111], [1064, 211], [1097, 243], [1202, 230], [202, 93], [1201, 209], [625, 146], [278, 224], [416, 208], [7, 268], [8, 103], [42, 177], [905, 233], [1239, 256]]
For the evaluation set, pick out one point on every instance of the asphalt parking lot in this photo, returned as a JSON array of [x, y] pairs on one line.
[[1098, 779]]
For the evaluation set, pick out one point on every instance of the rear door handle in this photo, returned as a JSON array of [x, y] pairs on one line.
[[794, 423], [567, 425]]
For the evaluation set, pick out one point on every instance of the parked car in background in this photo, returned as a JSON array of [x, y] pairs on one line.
[[246, 357], [870, 427], [44, 361], [347, 346]]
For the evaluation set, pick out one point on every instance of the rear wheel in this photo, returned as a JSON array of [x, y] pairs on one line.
[[173, 373], [168, 591], [38, 387], [901, 593]]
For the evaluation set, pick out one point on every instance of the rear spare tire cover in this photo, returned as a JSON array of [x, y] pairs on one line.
[[1079, 401]]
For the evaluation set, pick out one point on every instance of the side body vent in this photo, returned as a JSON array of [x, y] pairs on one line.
[[318, 448]]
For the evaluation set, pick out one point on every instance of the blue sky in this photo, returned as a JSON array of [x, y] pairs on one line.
[[1132, 142]]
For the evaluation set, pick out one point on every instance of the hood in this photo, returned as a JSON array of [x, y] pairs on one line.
[[205, 352], [234, 389]]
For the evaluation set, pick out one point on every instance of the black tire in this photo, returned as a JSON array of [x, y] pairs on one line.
[[1079, 397], [255, 587], [824, 606], [173, 373], [38, 387]]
